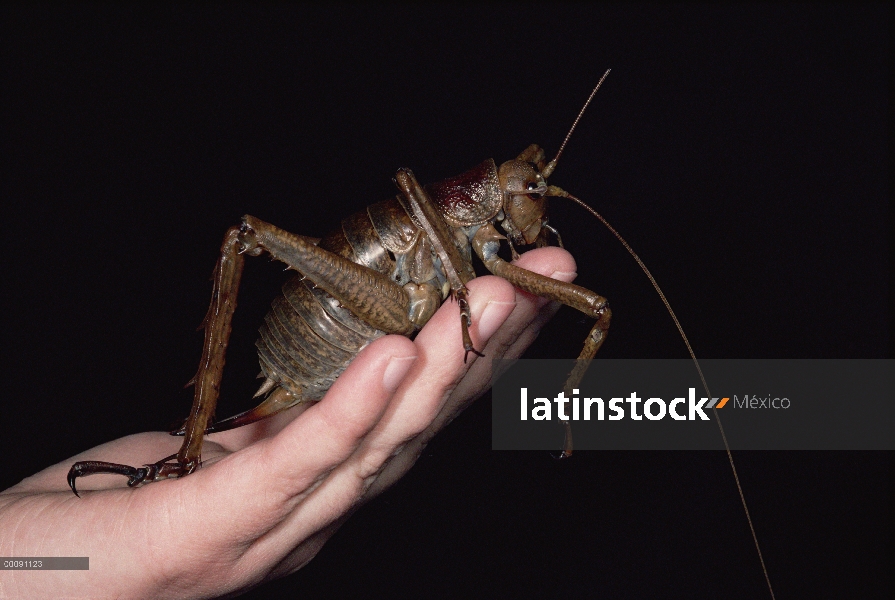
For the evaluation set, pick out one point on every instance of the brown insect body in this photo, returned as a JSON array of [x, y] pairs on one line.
[[386, 270], [308, 338]]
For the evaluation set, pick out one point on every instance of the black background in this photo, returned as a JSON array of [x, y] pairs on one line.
[[742, 151]]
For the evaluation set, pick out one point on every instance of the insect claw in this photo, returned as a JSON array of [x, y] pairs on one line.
[[72, 476], [134, 476], [468, 350], [566, 451]]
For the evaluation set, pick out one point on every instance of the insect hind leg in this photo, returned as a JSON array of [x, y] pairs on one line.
[[135, 476]]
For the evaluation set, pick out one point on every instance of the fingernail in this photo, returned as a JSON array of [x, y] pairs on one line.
[[395, 371], [492, 318], [566, 276]]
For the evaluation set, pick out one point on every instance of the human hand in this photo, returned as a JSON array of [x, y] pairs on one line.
[[270, 494]]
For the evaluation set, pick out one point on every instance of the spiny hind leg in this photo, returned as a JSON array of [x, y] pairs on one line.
[[366, 293], [369, 294], [217, 325]]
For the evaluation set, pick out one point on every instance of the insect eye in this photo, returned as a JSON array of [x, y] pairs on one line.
[[531, 186]]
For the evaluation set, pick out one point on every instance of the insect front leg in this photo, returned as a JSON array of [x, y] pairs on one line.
[[487, 243]]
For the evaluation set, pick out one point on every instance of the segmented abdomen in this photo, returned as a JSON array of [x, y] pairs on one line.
[[307, 339]]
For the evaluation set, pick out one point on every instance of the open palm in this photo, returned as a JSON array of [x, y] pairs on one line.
[[283, 485]]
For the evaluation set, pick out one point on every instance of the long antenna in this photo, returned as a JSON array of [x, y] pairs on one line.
[[555, 191], [548, 170]]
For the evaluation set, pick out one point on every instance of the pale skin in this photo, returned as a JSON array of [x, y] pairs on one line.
[[307, 469]]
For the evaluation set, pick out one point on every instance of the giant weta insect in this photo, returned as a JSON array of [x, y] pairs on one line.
[[386, 271]]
